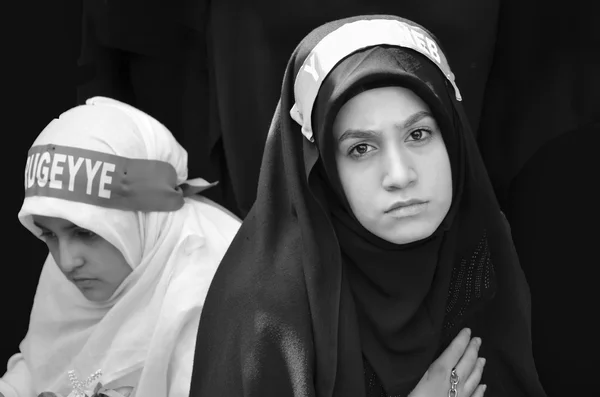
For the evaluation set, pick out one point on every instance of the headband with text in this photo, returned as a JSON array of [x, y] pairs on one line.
[[348, 39], [102, 179]]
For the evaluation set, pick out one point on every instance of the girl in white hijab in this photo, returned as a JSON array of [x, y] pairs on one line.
[[131, 257]]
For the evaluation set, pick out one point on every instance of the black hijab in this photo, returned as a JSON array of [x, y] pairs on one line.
[[306, 300], [399, 290]]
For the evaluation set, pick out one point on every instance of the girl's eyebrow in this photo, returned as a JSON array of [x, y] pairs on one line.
[[358, 134], [70, 227], [39, 226], [365, 134]]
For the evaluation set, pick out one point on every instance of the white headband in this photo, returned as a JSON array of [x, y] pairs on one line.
[[348, 39]]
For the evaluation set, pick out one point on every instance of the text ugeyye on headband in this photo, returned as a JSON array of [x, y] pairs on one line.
[[101, 179]]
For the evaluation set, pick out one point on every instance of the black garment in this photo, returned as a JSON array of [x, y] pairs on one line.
[[153, 55], [543, 83], [538, 133], [552, 204], [281, 315]]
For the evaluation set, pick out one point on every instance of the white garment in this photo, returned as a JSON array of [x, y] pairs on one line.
[[148, 327]]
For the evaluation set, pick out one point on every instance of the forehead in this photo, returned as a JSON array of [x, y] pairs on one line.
[[372, 106]]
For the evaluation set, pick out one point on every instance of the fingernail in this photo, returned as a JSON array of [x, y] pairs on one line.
[[478, 342], [484, 387], [468, 331], [482, 361]]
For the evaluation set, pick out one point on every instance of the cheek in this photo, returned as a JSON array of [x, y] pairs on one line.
[[442, 179], [53, 250], [359, 186], [114, 265], [122, 268]]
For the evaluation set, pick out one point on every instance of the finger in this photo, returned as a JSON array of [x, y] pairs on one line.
[[479, 391], [455, 350], [472, 382], [465, 365]]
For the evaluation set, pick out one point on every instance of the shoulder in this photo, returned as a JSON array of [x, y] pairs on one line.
[[208, 211]]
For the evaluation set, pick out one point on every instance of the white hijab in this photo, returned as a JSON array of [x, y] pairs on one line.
[[173, 256]]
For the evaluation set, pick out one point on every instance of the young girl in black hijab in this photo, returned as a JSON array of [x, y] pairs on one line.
[[375, 261]]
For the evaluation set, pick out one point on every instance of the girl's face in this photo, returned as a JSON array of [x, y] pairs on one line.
[[90, 262], [393, 164]]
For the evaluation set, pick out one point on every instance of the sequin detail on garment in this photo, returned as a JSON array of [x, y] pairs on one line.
[[471, 282]]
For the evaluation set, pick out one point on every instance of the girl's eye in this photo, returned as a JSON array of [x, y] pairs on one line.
[[420, 135], [84, 233], [47, 235], [360, 150]]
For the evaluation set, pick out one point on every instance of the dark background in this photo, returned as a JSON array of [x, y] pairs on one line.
[[40, 79], [550, 205]]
